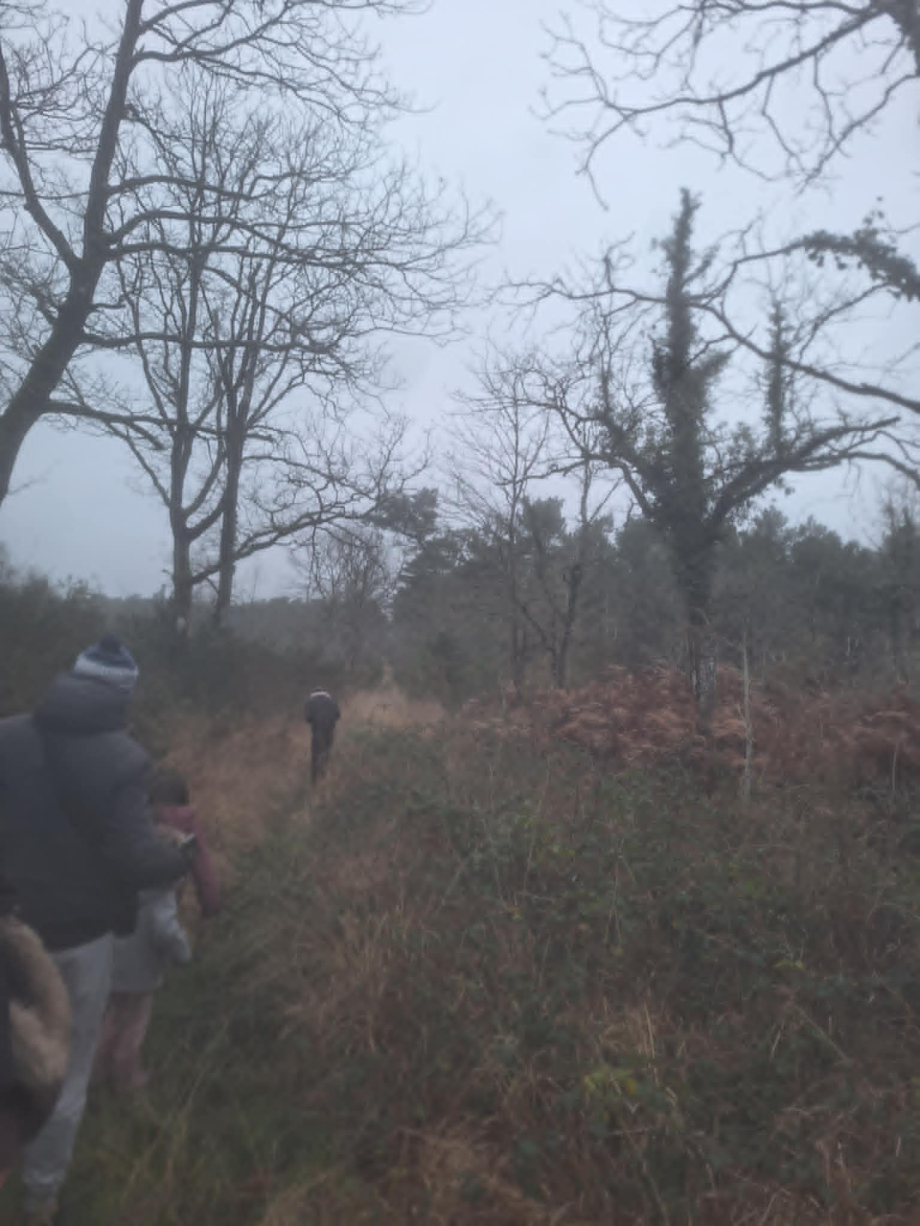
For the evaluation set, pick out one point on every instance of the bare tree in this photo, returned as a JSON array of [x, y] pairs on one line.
[[560, 571], [351, 563], [354, 567], [778, 86], [506, 449], [84, 118], [501, 447], [782, 88], [352, 570], [640, 396], [258, 301]]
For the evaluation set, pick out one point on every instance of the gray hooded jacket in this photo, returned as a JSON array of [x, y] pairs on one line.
[[76, 842]]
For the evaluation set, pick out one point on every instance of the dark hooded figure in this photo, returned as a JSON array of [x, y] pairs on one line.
[[322, 714], [77, 844]]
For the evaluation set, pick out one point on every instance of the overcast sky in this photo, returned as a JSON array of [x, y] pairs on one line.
[[476, 67]]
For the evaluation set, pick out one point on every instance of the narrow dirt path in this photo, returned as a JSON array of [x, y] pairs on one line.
[[263, 766], [388, 707]]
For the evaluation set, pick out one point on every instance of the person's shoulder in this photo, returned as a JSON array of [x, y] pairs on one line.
[[119, 753]]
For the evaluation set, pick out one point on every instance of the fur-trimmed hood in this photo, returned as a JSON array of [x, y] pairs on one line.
[[37, 1008]]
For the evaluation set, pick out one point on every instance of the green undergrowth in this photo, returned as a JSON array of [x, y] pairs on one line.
[[487, 985]]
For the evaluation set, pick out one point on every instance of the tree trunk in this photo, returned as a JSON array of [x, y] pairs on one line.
[[561, 664], [516, 658], [227, 550], [748, 726], [13, 430], [702, 662], [182, 580], [237, 417], [30, 401], [898, 619], [694, 577], [516, 632], [561, 661]]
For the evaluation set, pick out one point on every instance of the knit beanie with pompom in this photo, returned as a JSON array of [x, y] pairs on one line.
[[108, 660]]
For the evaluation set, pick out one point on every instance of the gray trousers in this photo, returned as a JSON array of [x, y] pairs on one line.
[[87, 972]]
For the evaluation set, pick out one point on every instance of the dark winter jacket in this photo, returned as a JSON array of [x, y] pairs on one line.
[[75, 837], [322, 710]]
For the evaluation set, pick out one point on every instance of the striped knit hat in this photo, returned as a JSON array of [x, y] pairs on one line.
[[109, 660]]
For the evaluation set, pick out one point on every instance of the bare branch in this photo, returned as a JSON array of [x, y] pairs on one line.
[[777, 86]]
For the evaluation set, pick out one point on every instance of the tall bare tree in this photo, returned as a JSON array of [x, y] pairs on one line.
[[641, 395], [259, 303], [783, 88], [500, 449], [84, 118]]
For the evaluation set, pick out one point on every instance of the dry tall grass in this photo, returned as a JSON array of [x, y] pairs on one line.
[[241, 781], [389, 707], [544, 996], [480, 977]]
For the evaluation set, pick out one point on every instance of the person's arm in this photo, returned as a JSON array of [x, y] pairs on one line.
[[204, 875], [130, 845], [166, 932]]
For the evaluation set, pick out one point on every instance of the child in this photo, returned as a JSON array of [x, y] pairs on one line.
[[158, 939], [169, 799]]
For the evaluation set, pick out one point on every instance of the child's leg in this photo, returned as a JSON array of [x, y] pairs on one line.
[[102, 1066], [134, 1018]]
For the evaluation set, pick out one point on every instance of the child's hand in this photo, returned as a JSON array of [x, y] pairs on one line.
[[188, 845]]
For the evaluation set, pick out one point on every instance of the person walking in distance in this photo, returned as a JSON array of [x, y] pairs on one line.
[[322, 714], [77, 845]]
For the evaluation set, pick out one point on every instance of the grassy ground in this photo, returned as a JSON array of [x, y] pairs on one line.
[[482, 984]]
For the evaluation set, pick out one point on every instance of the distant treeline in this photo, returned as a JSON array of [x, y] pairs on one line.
[[809, 606]]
